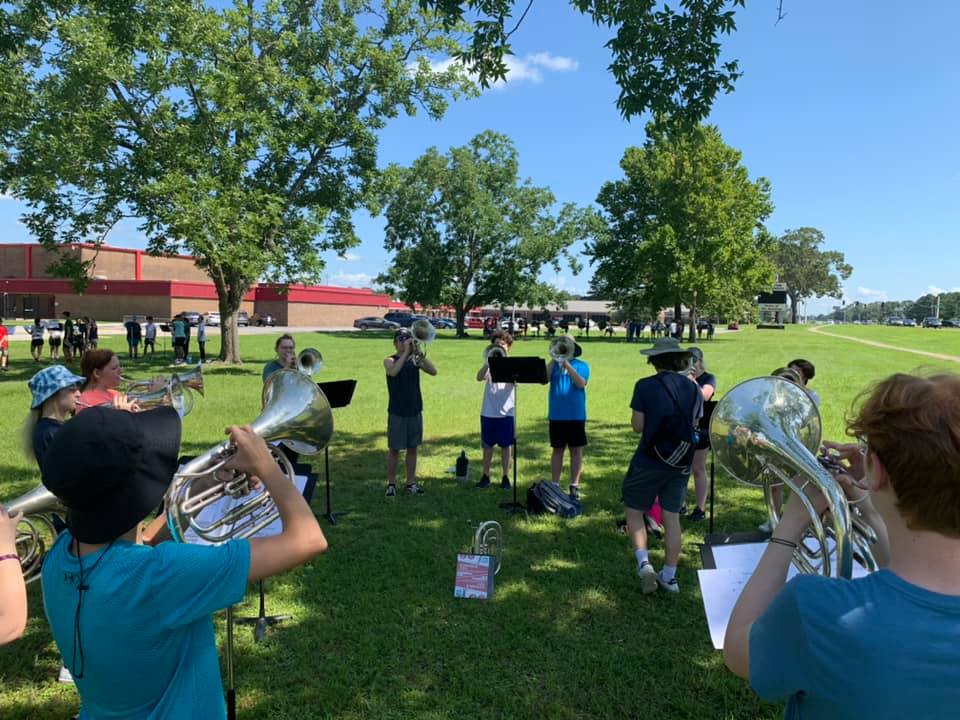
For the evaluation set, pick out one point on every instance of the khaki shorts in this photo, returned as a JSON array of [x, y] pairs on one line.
[[404, 433]]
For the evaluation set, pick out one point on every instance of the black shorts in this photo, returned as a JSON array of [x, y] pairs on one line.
[[36, 343], [54, 342], [568, 433]]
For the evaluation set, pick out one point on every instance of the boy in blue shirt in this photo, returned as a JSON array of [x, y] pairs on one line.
[[567, 412], [887, 645], [133, 622]]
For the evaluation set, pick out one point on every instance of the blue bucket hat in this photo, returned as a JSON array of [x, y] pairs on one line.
[[49, 381]]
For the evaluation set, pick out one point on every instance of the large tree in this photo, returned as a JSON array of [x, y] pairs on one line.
[[684, 225], [666, 57], [465, 232], [807, 270], [244, 133]]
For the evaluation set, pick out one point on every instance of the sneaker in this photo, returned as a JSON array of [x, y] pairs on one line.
[[575, 492], [683, 510], [765, 527], [391, 490], [648, 578], [484, 482], [505, 483], [670, 585], [697, 515], [653, 527], [64, 676], [415, 489]]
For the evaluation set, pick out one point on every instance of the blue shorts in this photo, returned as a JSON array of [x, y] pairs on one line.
[[497, 431]]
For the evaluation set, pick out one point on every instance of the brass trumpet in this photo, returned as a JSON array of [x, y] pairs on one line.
[[309, 362], [35, 532], [563, 348], [216, 505]]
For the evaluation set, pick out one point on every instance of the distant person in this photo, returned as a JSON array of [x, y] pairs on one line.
[[150, 336], [567, 415], [4, 346], [55, 340], [178, 329], [102, 376], [68, 329], [202, 338], [188, 330], [133, 336], [707, 382], [497, 415], [36, 339], [710, 329], [78, 340], [286, 349], [404, 409], [93, 334]]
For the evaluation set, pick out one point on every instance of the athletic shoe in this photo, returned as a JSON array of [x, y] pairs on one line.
[[575, 492], [670, 585], [415, 489], [683, 510], [648, 578], [697, 515], [391, 490], [484, 482], [653, 527], [64, 676], [765, 527], [505, 483]]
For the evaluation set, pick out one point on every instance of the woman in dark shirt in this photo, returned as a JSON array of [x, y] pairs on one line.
[[708, 386], [54, 393]]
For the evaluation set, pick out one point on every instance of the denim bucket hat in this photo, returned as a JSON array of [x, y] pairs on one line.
[[49, 381]]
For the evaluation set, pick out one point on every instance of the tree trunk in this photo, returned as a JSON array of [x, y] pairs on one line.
[[692, 319], [461, 321], [793, 308], [230, 292]]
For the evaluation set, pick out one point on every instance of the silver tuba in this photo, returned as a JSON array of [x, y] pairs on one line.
[[35, 532], [423, 333], [205, 502], [487, 541], [562, 348], [766, 432], [309, 362]]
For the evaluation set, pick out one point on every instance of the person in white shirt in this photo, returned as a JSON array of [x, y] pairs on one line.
[[150, 338], [497, 415]]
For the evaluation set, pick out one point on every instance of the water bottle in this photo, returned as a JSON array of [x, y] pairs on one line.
[[462, 466]]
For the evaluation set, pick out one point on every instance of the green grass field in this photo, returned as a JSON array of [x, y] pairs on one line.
[[376, 632]]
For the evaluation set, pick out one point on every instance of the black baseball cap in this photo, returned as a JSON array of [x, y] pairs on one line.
[[111, 468]]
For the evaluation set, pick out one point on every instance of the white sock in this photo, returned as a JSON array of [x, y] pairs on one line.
[[668, 572], [641, 556]]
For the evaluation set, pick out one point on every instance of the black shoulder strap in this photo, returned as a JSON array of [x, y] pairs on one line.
[[676, 402]]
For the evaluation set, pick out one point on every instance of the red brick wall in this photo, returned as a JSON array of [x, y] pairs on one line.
[[299, 314], [13, 261], [171, 268], [111, 264]]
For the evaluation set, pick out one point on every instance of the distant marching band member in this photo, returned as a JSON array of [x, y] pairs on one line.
[[405, 409], [36, 339], [708, 386], [101, 368], [567, 413], [497, 416], [286, 349]]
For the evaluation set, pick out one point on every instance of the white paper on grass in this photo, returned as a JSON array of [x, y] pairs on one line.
[[721, 588], [223, 506]]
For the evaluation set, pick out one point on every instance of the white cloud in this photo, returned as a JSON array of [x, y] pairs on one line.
[[934, 290], [870, 293], [350, 257], [6, 196], [528, 68], [352, 279]]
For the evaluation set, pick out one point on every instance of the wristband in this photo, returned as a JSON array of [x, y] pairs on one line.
[[10, 556], [781, 541]]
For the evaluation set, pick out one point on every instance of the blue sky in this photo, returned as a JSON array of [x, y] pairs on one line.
[[849, 108]]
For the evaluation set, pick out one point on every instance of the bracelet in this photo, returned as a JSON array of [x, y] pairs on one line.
[[10, 556], [781, 541]]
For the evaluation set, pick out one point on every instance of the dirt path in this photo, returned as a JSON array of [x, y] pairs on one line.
[[885, 346]]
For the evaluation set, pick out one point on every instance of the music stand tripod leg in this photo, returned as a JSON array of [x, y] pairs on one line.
[[514, 506], [262, 621], [329, 515], [711, 491]]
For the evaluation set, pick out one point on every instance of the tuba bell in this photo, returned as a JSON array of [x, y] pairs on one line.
[[493, 351], [208, 503], [174, 394], [487, 541], [766, 432], [35, 532], [423, 333], [562, 348], [309, 362]]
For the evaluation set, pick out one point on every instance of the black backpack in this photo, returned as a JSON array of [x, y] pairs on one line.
[[675, 441], [548, 497]]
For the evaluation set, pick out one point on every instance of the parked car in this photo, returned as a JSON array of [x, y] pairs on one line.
[[191, 316], [474, 322], [444, 323], [895, 321], [733, 326], [264, 320], [952, 323], [375, 323], [213, 319], [512, 325], [403, 319], [931, 322], [909, 322], [243, 319]]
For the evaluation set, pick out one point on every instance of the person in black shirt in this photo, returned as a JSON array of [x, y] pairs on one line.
[[405, 409], [708, 386]]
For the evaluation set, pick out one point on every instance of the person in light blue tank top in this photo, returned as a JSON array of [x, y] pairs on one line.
[[133, 622], [887, 645], [567, 413]]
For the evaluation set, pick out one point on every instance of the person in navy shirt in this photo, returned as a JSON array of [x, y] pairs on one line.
[[886, 645], [708, 386], [133, 622], [567, 413]]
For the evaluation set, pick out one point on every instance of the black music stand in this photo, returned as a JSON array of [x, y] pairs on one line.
[[262, 621], [339, 394], [517, 370], [704, 428]]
